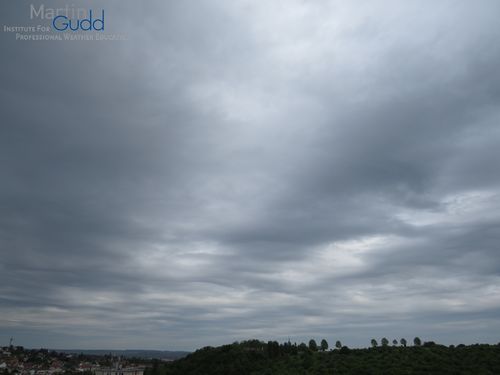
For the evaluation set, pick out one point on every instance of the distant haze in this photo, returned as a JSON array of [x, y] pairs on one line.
[[145, 354], [252, 169]]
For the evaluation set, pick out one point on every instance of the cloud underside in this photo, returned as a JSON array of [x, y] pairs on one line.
[[250, 170]]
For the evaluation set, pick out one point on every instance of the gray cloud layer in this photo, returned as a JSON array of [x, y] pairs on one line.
[[244, 170]]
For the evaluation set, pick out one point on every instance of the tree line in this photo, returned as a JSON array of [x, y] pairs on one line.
[[255, 357]]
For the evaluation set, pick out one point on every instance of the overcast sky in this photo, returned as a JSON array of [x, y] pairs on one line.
[[252, 169]]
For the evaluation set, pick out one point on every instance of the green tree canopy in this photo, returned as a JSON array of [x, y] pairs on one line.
[[313, 346], [324, 345], [238, 359]]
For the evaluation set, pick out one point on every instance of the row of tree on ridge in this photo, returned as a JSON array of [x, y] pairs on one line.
[[323, 346]]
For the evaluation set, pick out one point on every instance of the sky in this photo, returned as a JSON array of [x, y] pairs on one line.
[[232, 170]]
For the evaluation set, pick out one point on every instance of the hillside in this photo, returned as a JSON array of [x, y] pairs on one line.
[[254, 357]]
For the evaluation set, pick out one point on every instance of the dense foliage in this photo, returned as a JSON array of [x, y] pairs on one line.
[[255, 357]]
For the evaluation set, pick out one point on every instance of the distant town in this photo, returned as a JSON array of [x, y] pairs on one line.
[[18, 360]]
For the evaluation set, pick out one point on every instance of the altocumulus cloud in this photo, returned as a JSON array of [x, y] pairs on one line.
[[244, 169]]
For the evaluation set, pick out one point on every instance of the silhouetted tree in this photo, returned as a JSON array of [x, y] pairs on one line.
[[403, 342], [338, 344], [384, 341], [417, 341], [394, 342], [273, 349], [324, 345], [374, 343], [313, 346]]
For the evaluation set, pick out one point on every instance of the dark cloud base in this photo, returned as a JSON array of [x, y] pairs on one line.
[[244, 170]]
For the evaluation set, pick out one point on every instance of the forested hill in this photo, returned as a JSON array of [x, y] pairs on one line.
[[258, 358]]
